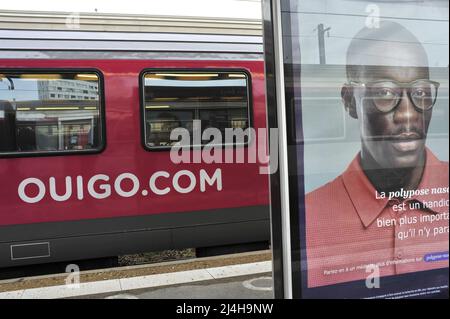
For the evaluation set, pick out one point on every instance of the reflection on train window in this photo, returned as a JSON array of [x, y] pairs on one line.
[[42, 112], [175, 99]]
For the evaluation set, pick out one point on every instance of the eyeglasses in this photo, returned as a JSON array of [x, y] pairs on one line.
[[387, 94]]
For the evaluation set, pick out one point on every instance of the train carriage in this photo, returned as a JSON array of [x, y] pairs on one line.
[[86, 113]]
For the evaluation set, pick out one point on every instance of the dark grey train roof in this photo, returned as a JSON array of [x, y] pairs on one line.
[[44, 31]]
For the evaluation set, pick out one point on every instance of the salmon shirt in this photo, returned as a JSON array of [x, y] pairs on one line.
[[353, 232]]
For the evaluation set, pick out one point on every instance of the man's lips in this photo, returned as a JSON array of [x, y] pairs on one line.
[[407, 136], [406, 142]]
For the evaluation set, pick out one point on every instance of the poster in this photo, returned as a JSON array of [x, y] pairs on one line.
[[367, 85]]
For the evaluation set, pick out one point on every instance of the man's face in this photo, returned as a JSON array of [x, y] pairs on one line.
[[394, 138]]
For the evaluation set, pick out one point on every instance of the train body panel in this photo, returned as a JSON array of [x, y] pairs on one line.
[[124, 196], [241, 183]]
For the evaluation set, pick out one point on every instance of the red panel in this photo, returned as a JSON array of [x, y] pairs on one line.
[[242, 183]]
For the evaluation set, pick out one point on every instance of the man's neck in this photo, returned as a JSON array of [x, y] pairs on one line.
[[392, 179]]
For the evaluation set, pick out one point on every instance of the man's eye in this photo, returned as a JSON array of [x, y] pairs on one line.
[[421, 93], [384, 93]]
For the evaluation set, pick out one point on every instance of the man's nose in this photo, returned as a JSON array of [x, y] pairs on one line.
[[406, 111]]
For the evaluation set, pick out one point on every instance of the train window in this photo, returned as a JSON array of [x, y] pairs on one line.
[[43, 113], [180, 99]]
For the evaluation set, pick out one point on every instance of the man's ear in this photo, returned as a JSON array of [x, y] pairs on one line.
[[349, 101]]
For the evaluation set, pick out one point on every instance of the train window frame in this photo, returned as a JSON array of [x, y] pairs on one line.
[[250, 108], [102, 112]]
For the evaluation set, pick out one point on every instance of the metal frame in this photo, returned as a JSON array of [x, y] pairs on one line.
[[283, 153], [279, 188]]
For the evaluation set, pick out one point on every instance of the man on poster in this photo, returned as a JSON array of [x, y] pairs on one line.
[[389, 208]]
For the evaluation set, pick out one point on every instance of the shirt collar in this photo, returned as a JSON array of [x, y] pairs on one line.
[[364, 196]]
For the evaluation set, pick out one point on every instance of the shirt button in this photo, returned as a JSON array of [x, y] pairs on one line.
[[399, 254]]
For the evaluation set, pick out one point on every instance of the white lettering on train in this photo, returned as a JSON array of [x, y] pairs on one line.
[[29, 181], [216, 178], [176, 183], [54, 195], [153, 187], [80, 193], [99, 186], [106, 188], [118, 186]]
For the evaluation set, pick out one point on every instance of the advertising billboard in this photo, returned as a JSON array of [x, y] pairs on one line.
[[364, 88]]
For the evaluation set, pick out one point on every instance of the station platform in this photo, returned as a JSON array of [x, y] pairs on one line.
[[237, 276]]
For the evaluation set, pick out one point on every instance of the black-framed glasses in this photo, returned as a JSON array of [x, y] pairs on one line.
[[387, 94]]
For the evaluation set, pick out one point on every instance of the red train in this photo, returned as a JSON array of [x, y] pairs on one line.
[[85, 122]]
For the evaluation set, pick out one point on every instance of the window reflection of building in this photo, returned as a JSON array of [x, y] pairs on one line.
[[67, 90], [45, 107]]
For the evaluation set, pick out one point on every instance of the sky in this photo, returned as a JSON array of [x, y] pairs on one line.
[[250, 9]]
